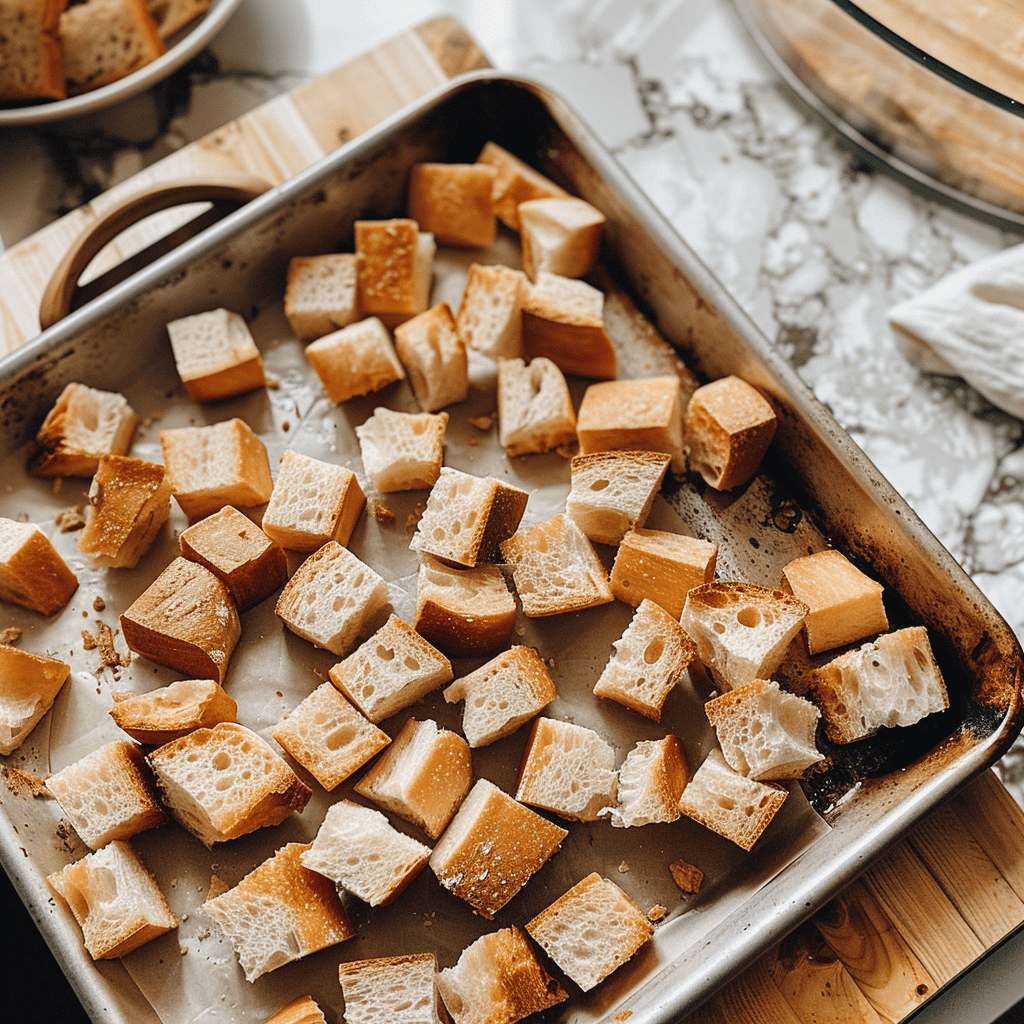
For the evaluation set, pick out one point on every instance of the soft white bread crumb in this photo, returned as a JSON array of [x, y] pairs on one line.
[[423, 776], [302, 1010], [894, 681], [279, 912], [170, 712], [402, 451], [394, 268], [560, 235], [29, 684], [454, 202], [502, 694], [32, 572], [651, 781], [434, 357], [329, 737], [224, 782], [83, 424], [355, 360], [491, 849], [535, 412], [391, 990], [591, 930], [320, 294], [765, 732], [490, 314], [358, 848], [215, 355], [515, 182], [114, 899], [391, 670], [498, 980], [741, 629], [108, 794]]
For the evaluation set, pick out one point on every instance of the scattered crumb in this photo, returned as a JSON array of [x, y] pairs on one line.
[[623, 868], [70, 519], [286, 426], [67, 836], [483, 422], [686, 876], [183, 950], [657, 912], [98, 604], [19, 782], [204, 934], [624, 1015], [383, 514], [88, 641], [10, 635], [109, 656], [273, 384], [58, 483], [151, 419], [216, 887]]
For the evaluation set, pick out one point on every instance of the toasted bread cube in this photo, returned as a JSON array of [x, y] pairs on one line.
[[394, 268], [357, 848], [355, 360], [281, 911], [329, 737], [129, 501], [215, 355], [515, 182], [312, 502], [320, 294], [467, 518], [301, 1010], [845, 605], [568, 769], [32, 31], [611, 492], [465, 613], [490, 314], [396, 989], [391, 670], [185, 619], [563, 320], [728, 428], [535, 412], [651, 781], [238, 553], [175, 14], [591, 930], [650, 658], [662, 567], [83, 424], [560, 235], [170, 712], [687, 876], [492, 848], [502, 694], [108, 794], [217, 465], [402, 451], [226, 781], [422, 777], [454, 202], [556, 569], [642, 415], [29, 684], [332, 598], [115, 900], [434, 357], [32, 572]]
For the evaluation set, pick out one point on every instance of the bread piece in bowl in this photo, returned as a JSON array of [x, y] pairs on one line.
[[394, 268], [172, 15], [32, 572], [559, 235], [454, 202], [402, 451], [320, 294], [31, 58], [392, 990], [434, 357], [355, 360], [490, 314], [215, 355], [170, 712], [651, 781], [515, 182], [29, 684], [535, 412]]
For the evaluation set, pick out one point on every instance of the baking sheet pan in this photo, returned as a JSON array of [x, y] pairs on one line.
[[816, 487]]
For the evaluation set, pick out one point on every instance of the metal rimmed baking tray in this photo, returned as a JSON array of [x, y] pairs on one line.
[[816, 487]]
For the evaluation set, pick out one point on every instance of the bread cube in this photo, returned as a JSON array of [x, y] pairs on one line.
[[490, 314], [650, 658], [332, 598], [651, 781], [563, 320], [83, 424], [226, 781], [29, 684], [402, 451], [591, 930], [115, 900], [170, 712], [435, 358], [560, 235], [633, 415], [320, 294], [535, 412], [492, 848], [396, 989], [217, 465], [687, 876], [454, 202], [357, 848], [301, 1010], [355, 360], [662, 567], [502, 694], [215, 355], [611, 492], [728, 427], [108, 794], [185, 619], [32, 572], [394, 268], [391, 670], [129, 502], [467, 518], [171, 15], [423, 776], [556, 568], [329, 737], [32, 31], [279, 912], [568, 769], [515, 182], [844, 604], [238, 553]]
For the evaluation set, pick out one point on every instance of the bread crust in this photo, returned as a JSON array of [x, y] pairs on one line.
[[170, 712], [29, 684], [32, 572], [454, 202], [515, 182], [31, 57]]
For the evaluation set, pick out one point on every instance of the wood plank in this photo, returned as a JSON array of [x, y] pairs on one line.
[[751, 998]]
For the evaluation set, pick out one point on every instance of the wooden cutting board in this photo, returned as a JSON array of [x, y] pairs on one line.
[[919, 916]]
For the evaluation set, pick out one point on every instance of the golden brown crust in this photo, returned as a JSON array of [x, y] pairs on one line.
[[515, 182], [386, 265], [172, 711], [32, 572], [31, 57], [455, 202]]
